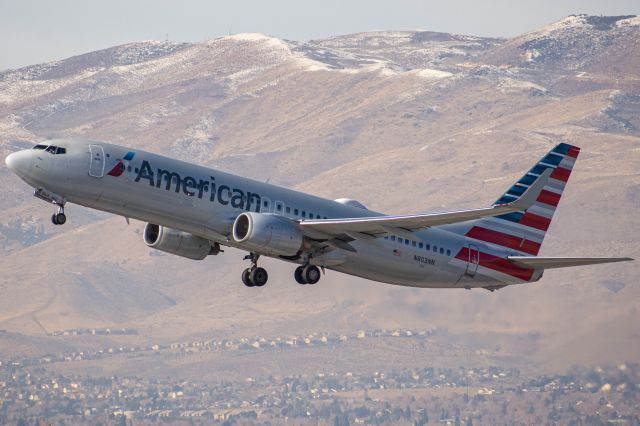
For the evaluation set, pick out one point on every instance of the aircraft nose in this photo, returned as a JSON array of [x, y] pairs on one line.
[[19, 162]]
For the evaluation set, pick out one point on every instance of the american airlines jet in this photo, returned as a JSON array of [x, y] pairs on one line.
[[192, 211]]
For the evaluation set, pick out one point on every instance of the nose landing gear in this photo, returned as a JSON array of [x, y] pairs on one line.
[[59, 218]]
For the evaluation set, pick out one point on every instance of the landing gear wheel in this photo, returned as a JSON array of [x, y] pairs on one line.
[[54, 219], [246, 278], [61, 218], [311, 274], [259, 276], [299, 276]]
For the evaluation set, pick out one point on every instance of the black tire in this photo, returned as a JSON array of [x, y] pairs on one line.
[[246, 278], [61, 218], [299, 276], [259, 276], [311, 274], [53, 219]]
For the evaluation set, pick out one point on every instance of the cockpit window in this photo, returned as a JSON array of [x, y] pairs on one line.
[[52, 149]]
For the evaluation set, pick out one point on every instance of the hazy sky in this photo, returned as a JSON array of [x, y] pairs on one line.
[[33, 31]]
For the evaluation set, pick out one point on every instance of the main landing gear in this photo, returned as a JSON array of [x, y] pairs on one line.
[[59, 218], [309, 274], [254, 276]]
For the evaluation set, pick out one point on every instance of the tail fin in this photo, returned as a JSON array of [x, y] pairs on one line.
[[524, 231]]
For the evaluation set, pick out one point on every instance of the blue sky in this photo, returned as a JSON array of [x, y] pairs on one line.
[[33, 31]]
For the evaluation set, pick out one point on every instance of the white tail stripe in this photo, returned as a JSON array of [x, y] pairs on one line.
[[513, 228], [542, 210]]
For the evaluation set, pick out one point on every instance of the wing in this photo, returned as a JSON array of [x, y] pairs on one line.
[[561, 262], [369, 227]]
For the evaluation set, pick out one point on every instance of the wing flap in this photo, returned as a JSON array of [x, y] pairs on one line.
[[561, 262]]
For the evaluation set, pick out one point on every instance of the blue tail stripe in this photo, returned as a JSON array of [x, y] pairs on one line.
[[527, 179], [538, 169], [562, 148], [511, 217], [516, 190], [552, 159], [506, 198]]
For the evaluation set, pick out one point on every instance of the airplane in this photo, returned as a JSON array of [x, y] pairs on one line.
[[193, 211]]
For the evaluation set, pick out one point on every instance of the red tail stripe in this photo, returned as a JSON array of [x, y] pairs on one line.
[[498, 264], [548, 197], [504, 240], [535, 221], [573, 152], [561, 173]]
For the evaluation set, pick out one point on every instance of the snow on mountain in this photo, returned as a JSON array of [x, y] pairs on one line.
[[578, 42]]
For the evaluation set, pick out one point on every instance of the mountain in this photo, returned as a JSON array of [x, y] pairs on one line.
[[403, 121]]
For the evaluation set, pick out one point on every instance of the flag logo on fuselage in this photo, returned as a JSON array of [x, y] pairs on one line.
[[122, 165]]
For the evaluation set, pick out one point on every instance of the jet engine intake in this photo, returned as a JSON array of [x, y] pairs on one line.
[[178, 242], [267, 234]]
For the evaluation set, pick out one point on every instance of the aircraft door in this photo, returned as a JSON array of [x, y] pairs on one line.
[[96, 164], [474, 260]]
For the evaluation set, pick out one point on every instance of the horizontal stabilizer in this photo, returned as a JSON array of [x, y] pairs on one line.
[[561, 262]]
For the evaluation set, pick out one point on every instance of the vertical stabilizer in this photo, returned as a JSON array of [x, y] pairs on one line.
[[524, 231]]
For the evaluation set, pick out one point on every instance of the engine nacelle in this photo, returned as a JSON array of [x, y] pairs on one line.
[[268, 234], [178, 242]]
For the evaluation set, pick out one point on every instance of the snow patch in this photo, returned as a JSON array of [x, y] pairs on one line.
[[257, 37], [629, 22], [507, 85], [430, 74], [572, 21], [309, 64]]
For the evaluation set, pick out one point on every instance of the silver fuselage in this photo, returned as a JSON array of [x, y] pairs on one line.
[[205, 202]]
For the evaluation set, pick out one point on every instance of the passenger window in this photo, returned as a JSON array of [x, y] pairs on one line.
[[310, 215], [393, 238], [304, 214], [295, 211], [279, 207], [448, 252], [435, 249], [413, 243], [406, 242], [420, 245], [288, 209], [265, 204], [441, 250], [326, 217]]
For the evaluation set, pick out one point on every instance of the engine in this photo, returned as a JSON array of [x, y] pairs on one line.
[[178, 242], [269, 234]]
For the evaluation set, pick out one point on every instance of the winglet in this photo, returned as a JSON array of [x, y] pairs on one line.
[[530, 196]]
